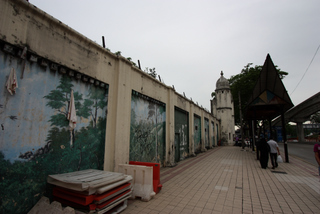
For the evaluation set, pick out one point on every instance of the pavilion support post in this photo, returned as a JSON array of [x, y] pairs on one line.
[[253, 136], [258, 142], [270, 128], [284, 137]]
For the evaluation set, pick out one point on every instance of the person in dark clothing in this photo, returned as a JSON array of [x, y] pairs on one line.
[[264, 153]]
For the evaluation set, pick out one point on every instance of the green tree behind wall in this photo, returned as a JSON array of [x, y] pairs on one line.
[[244, 83]]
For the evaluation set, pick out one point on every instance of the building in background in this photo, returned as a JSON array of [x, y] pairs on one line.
[[223, 109]]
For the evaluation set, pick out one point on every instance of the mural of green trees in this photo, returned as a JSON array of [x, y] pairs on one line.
[[197, 134], [86, 151], [206, 133], [147, 130], [23, 182]]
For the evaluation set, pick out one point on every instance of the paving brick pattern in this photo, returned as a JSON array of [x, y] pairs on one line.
[[228, 180]]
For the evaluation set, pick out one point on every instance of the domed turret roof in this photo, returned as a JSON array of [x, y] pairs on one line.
[[222, 83]]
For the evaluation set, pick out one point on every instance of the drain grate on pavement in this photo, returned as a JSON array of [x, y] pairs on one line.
[[279, 172]]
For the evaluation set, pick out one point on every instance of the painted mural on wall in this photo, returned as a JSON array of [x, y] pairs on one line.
[[147, 129], [213, 136], [218, 137], [206, 134], [34, 137], [181, 127], [197, 134]]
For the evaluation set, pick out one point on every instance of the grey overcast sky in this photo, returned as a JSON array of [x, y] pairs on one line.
[[189, 42]]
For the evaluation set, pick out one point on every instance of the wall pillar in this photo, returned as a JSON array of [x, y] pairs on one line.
[[210, 134], [300, 132], [191, 130], [203, 133], [118, 123], [170, 134]]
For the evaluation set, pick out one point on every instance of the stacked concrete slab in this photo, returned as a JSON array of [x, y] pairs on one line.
[[92, 191]]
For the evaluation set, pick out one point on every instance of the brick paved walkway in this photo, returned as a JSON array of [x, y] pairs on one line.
[[228, 180]]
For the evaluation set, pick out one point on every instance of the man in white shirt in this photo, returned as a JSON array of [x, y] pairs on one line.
[[274, 148]]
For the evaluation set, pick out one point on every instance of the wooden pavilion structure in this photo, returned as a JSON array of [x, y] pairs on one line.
[[269, 99]]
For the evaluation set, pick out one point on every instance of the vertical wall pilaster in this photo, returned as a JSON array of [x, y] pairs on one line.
[[118, 122], [191, 129], [170, 128], [203, 133], [300, 132]]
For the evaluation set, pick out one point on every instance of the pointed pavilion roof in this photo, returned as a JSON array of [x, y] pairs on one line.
[[269, 97]]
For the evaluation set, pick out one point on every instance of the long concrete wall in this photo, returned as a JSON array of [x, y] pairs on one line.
[[24, 25], [106, 88]]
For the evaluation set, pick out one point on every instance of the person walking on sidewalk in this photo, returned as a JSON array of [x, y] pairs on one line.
[[274, 152], [237, 140], [316, 150]]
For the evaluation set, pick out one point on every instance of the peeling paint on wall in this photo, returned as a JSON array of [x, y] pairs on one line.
[[147, 129]]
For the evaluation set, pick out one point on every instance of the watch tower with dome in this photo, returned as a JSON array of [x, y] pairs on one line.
[[222, 108]]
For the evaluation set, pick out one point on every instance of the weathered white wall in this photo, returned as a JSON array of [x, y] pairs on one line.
[[22, 24]]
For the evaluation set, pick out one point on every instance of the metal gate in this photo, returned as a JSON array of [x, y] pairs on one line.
[[181, 126]]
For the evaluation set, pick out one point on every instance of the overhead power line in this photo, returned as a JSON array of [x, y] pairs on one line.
[[306, 70]]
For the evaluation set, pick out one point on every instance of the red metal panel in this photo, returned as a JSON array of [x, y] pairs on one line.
[[75, 205], [73, 196], [83, 199]]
